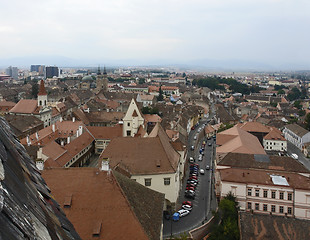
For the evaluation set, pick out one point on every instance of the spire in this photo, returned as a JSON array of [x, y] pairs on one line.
[[42, 90], [99, 73], [104, 71]]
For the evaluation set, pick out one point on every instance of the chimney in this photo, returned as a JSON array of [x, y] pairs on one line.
[[53, 127], [68, 140], [73, 119], [80, 130], [28, 141], [105, 165], [60, 120], [37, 136], [77, 133], [62, 143]]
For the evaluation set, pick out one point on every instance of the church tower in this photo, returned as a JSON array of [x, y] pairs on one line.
[[102, 80], [42, 95]]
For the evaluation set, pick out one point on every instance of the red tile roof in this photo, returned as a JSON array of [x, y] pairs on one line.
[[99, 209], [106, 132], [25, 106]]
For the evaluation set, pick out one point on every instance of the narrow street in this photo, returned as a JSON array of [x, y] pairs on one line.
[[202, 209]]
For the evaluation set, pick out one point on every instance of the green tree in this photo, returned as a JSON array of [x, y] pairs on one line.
[[35, 90], [294, 94], [146, 110], [141, 80], [160, 96], [297, 104], [307, 121]]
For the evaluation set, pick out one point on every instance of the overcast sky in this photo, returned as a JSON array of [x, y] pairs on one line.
[[270, 31]]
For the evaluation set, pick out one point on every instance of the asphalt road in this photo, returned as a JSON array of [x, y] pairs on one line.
[[201, 205], [301, 157]]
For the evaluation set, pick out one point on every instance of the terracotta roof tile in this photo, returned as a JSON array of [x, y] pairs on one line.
[[141, 155], [98, 198], [239, 141], [254, 127], [263, 177], [25, 106]]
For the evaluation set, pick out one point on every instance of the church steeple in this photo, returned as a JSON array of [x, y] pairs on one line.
[[42, 90], [99, 72], [104, 71], [42, 95]]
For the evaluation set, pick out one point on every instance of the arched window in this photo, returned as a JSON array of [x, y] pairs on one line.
[[40, 103]]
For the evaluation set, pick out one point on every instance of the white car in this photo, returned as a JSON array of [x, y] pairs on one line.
[[294, 155], [200, 157], [195, 137], [183, 212], [201, 171], [187, 207]]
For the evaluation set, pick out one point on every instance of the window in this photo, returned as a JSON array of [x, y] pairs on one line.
[[289, 210], [249, 205], [99, 142], [249, 191], [167, 181], [265, 207], [281, 210], [128, 133], [265, 193], [273, 194], [281, 196], [147, 182], [273, 208], [256, 192], [128, 124], [289, 196], [256, 206]]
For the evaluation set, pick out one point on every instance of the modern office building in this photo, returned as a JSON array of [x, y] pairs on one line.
[[51, 71], [12, 72]]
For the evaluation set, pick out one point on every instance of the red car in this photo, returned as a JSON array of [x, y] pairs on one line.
[[190, 185], [187, 203], [190, 188], [193, 177]]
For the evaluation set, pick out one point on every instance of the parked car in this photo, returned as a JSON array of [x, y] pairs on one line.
[[192, 147], [191, 160], [190, 195], [200, 157], [294, 155], [176, 216], [183, 212], [207, 167], [192, 182], [193, 177], [190, 187], [194, 164], [209, 144], [195, 137], [187, 207], [201, 171], [187, 203], [189, 191]]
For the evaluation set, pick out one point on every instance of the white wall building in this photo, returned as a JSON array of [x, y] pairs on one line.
[[132, 120], [297, 135], [269, 192]]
